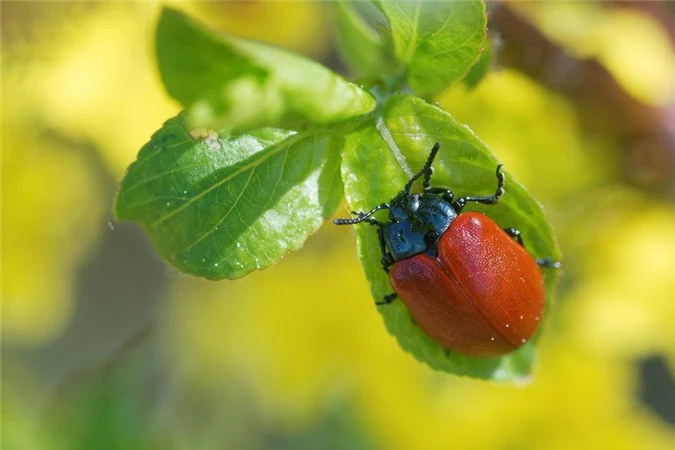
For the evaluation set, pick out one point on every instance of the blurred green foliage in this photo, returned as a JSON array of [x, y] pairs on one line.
[[295, 357], [228, 82]]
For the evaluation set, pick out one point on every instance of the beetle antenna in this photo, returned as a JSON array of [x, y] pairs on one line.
[[362, 217], [426, 170]]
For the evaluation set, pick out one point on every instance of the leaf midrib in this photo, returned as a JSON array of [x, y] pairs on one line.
[[277, 148]]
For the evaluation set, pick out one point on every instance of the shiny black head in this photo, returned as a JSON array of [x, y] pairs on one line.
[[418, 220], [403, 206]]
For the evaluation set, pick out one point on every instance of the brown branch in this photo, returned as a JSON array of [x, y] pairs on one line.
[[646, 134]]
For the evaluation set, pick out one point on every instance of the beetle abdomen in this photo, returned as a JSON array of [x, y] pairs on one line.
[[482, 295]]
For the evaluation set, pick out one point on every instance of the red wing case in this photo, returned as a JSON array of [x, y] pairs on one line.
[[482, 295]]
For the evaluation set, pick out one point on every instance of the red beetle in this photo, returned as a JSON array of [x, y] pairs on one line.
[[470, 285]]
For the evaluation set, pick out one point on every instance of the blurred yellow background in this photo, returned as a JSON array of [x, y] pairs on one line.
[[105, 347]]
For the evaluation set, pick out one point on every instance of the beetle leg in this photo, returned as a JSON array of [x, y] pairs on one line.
[[541, 262], [515, 234], [387, 259], [487, 199], [445, 193], [548, 263], [387, 299]]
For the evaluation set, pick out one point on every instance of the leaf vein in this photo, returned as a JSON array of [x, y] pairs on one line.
[[235, 173], [222, 219]]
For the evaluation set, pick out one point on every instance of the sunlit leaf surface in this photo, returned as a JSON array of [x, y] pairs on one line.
[[220, 206], [232, 83], [437, 41]]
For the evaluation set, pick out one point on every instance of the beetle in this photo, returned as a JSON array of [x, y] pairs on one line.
[[468, 284]]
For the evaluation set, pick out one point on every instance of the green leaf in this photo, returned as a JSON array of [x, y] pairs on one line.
[[439, 41], [373, 172], [481, 68], [219, 205], [360, 46], [232, 83]]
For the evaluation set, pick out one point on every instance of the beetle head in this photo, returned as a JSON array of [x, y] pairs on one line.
[[403, 206]]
